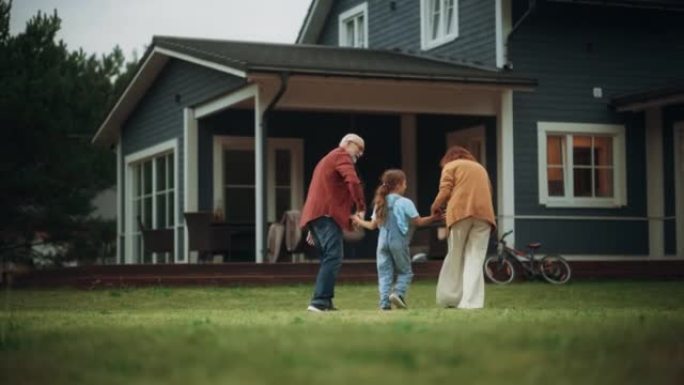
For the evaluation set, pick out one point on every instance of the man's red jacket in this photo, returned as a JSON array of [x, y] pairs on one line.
[[335, 189]]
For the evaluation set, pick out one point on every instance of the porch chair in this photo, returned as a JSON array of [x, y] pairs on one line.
[[156, 240], [286, 237], [428, 242], [204, 238]]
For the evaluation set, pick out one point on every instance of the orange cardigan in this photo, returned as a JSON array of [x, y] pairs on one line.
[[465, 187]]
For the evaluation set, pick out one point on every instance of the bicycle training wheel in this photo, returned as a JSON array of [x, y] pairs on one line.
[[555, 269], [499, 270]]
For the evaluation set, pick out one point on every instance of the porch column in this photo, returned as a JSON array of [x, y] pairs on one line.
[[408, 153], [190, 184], [260, 162], [505, 169], [119, 206], [654, 182]]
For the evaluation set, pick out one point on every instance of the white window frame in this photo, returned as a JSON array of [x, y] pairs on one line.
[[294, 145], [426, 41], [351, 16], [131, 225], [619, 198]]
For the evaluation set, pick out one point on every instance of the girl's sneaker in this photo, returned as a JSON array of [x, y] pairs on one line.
[[398, 301]]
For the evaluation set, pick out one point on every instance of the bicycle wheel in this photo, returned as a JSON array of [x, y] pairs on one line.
[[499, 270], [555, 269]]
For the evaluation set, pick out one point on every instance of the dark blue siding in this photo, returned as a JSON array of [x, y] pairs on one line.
[[159, 118], [590, 237], [571, 49], [399, 28]]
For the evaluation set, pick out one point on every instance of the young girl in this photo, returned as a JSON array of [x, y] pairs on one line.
[[393, 214]]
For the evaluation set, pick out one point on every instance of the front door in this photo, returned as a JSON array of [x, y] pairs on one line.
[[472, 139]]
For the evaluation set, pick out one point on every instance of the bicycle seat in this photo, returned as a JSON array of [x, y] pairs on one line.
[[534, 245]]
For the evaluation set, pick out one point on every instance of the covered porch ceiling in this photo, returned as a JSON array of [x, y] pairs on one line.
[[376, 95]]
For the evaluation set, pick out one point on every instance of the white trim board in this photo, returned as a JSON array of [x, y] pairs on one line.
[[505, 166], [143, 79], [442, 38], [230, 99], [655, 195], [150, 152], [120, 231], [201, 62], [190, 178], [294, 145], [351, 14], [503, 28], [619, 198]]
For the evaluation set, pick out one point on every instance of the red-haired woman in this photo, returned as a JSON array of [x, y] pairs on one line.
[[466, 190]]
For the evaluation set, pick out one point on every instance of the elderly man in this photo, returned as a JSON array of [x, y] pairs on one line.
[[335, 189]]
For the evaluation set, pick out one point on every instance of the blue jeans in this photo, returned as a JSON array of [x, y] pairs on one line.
[[328, 238], [393, 257]]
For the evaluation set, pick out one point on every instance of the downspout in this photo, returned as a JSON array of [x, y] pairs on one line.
[[262, 250], [532, 6]]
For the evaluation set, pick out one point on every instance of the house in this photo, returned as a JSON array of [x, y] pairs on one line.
[[597, 147], [564, 103]]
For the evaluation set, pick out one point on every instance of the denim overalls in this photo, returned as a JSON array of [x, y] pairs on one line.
[[393, 255]]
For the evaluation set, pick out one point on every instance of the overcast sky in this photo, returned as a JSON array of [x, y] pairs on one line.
[[98, 25]]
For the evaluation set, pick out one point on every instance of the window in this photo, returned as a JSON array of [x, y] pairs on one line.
[[353, 27], [581, 165], [153, 201], [234, 180], [439, 22]]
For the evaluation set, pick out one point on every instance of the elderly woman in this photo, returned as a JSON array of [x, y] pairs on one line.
[[465, 188]]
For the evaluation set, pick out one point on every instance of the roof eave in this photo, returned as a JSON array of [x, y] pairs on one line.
[[151, 65], [521, 84], [314, 21]]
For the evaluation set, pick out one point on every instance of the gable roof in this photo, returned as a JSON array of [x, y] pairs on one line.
[[314, 21], [241, 59], [250, 57]]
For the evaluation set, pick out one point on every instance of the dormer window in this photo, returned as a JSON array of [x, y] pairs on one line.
[[439, 22], [354, 27]]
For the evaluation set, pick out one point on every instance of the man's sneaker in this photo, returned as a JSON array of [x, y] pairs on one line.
[[316, 308], [398, 301], [320, 308]]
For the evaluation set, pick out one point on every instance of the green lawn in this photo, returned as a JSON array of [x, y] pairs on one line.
[[585, 332]]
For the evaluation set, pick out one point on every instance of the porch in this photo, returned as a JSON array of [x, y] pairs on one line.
[[246, 153], [250, 184]]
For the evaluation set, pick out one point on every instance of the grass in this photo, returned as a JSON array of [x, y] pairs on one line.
[[582, 333]]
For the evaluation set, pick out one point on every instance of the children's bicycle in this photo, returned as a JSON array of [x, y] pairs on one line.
[[501, 268]]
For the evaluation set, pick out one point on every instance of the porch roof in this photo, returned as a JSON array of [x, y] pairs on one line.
[[656, 97], [335, 61], [245, 59]]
